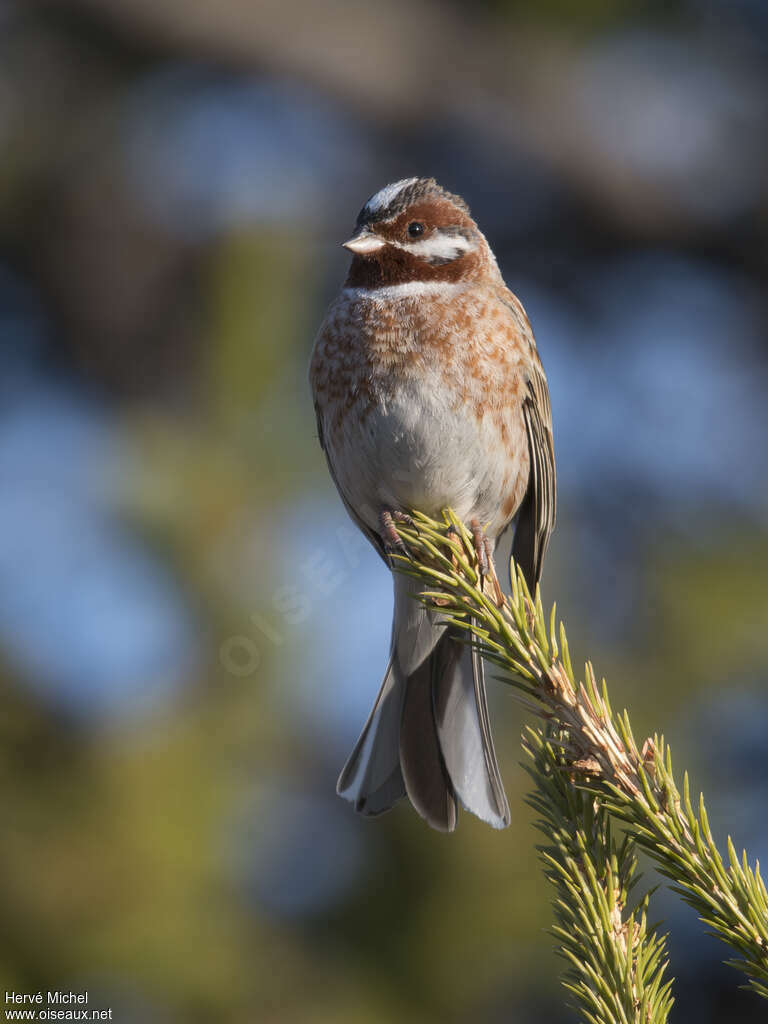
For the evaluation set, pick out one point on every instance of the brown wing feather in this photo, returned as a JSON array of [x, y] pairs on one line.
[[536, 516]]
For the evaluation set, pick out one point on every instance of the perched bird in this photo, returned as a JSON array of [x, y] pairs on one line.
[[429, 393]]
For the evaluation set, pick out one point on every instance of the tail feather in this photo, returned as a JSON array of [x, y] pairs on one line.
[[464, 731], [384, 798], [428, 735], [427, 783], [371, 778]]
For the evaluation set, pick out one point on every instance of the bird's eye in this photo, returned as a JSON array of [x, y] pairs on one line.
[[415, 228]]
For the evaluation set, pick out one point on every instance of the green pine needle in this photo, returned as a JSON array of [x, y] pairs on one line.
[[587, 770]]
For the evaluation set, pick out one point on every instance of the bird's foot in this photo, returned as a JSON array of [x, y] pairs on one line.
[[402, 517], [393, 542]]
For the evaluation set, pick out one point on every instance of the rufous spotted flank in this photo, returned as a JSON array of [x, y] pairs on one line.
[[429, 393]]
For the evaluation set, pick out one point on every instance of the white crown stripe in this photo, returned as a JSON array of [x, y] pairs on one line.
[[382, 198]]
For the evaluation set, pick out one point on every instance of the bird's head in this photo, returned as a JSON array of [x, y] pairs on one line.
[[414, 231]]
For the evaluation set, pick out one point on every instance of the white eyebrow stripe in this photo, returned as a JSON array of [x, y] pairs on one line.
[[381, 199], [439, 246]]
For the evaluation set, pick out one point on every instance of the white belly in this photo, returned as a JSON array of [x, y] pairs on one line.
[[419, 447]]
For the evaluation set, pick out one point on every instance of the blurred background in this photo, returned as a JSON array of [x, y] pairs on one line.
[[192, 632]]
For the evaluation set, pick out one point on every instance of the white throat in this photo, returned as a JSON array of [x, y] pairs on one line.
[[409, 289]]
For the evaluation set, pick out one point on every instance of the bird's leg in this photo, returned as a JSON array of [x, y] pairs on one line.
[[393, 542], [478, 538], [498, 593], [485, 564]]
